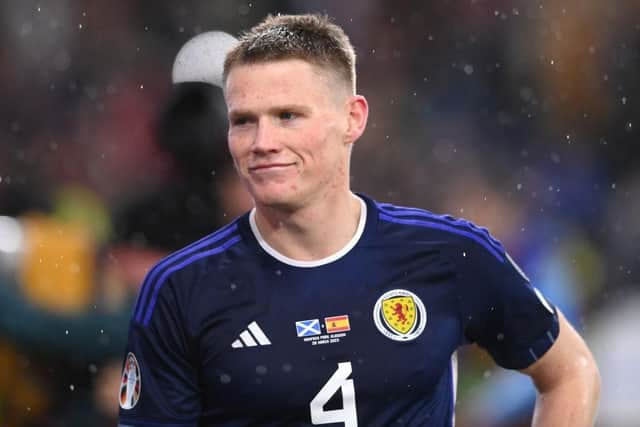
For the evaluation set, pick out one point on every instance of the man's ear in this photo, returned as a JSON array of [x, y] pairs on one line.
[[358, 112]]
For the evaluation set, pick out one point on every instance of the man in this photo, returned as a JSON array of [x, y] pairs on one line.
[[320, 306]]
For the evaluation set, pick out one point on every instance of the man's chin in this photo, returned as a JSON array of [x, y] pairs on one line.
[[283, 202]]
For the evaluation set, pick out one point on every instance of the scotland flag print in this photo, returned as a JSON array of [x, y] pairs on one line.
[[308, 328]]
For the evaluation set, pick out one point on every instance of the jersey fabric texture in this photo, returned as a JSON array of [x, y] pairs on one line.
[[227, 332]]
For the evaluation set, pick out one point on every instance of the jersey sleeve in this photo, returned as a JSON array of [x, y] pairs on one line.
[[159, 380], [502, 311]]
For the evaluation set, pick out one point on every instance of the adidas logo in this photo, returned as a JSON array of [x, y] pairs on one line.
[[251, 337]]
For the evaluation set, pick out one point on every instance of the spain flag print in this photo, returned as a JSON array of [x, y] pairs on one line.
[[337, 324]]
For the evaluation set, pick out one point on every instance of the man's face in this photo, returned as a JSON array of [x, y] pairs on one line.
[[287, 132]]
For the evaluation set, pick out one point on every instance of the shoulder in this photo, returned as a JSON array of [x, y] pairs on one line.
[[183, 269], [420, 224], [196, 255]]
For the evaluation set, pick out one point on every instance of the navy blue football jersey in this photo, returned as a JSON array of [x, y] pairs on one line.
[[229, 332]]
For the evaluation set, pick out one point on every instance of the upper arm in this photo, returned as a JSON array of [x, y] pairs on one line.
[[159, 382], [567, 359], [503, 312]]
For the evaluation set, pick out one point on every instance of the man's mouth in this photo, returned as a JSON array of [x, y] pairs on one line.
[[266, 167]]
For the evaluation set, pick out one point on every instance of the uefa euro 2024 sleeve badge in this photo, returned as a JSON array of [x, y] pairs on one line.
[[131, 383], [400, 315]]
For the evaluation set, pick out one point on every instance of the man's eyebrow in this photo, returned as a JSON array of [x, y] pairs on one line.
[[290, 107], [240, 113], [274, 109]]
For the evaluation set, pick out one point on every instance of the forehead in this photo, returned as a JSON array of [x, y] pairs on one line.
[[283, 81]]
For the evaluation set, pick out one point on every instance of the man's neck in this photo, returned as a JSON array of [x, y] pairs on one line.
[[313, 232]]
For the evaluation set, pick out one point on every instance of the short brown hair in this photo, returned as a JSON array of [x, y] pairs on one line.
[[312, 38]]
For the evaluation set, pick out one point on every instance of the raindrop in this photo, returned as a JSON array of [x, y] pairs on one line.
[[287, 367], [93, 369], [500, 336], [225, 379], [261, 370], [486, 374], [79, 26], [624, 100], [526, 94], [72, 387], [519, 187], [66, 332], [468, 69], [91, 92], [26, 28], [628, 126]]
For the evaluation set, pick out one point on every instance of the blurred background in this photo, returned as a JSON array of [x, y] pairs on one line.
[[521, 116]]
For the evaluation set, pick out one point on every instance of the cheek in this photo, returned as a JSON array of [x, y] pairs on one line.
[[326, 150], [236, 147]]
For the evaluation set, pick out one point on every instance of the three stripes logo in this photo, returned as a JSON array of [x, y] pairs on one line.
[[253, 336]]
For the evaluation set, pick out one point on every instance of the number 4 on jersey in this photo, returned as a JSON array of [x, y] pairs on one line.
[[346, 415]]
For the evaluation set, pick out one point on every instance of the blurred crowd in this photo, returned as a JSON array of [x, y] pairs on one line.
[[521, 116]]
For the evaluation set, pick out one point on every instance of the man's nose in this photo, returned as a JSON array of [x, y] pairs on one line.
[[265, 139]]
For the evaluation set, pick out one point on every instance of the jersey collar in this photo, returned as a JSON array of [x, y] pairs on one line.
[[315, 263]]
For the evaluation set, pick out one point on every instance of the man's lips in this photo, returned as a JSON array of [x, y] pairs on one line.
[[269, 167]]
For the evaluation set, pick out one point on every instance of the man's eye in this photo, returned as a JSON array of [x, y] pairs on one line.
[[239, 121], [288, 115]]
